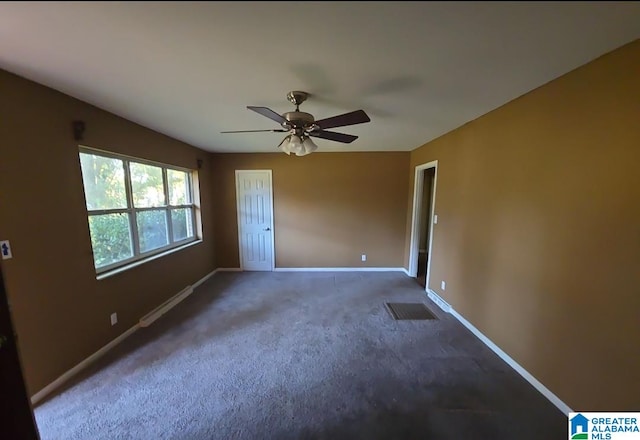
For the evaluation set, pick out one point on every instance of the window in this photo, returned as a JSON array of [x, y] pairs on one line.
[[136, 208]]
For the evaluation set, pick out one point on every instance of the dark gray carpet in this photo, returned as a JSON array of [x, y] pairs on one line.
[[295, 356]]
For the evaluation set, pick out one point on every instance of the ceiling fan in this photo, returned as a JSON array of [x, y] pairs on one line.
[[302, 126]]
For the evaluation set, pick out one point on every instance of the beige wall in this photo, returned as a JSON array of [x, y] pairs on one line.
[[61, 311], [329, 208], [538, 233]]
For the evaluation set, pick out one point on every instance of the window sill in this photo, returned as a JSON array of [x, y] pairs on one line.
[[112, 272]]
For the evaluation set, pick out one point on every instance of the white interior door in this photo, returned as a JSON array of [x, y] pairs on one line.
[[255, 219]]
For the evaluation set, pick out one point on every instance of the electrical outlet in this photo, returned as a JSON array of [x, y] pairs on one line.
[[443, 285], [364, 257], [114, 318], [435, 219]]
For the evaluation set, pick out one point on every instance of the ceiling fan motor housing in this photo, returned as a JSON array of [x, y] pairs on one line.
[[298, 120]]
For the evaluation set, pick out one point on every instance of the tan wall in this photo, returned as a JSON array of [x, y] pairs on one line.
[[61, 312], [329, 208], [538, 233]]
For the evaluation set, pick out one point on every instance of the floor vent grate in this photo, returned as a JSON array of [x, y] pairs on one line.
[[409, 311]]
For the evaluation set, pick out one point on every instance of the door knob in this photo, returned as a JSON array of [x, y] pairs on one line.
[[267, 229]]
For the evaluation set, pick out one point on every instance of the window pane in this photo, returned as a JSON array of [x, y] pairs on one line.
[[182, 223], [179, 193], [110, 238], [146, 185], [152, 229], [103, 179]]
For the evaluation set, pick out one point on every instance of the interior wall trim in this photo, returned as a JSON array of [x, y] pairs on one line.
[[546, 392], [340, 269], [65, 377]]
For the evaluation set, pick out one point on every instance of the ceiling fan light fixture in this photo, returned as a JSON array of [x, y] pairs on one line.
[[299, 145], [308, 146], [285, 145], [295, 144]]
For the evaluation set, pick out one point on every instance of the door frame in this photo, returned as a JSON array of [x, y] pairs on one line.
[[273, 241], [19, 421], [418, 188]]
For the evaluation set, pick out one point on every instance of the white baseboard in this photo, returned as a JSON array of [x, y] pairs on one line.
[[339, 269], [203, 279], [81, 366], [504, 356], [321, 269], [406, 271], [37, 397]]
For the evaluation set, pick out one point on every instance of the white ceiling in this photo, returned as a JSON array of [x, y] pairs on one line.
[[419, 69]]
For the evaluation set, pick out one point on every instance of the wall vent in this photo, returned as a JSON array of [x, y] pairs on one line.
[[163, 308], [441, 303]]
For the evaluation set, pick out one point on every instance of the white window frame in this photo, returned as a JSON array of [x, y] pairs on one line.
[[132, 211]]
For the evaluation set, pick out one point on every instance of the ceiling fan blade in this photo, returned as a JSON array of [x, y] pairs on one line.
[[265, 111], [352, 118], [255, 131], [333, 136]]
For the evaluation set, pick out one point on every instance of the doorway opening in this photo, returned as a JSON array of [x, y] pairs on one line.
[[424, 229], [422, 222]]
